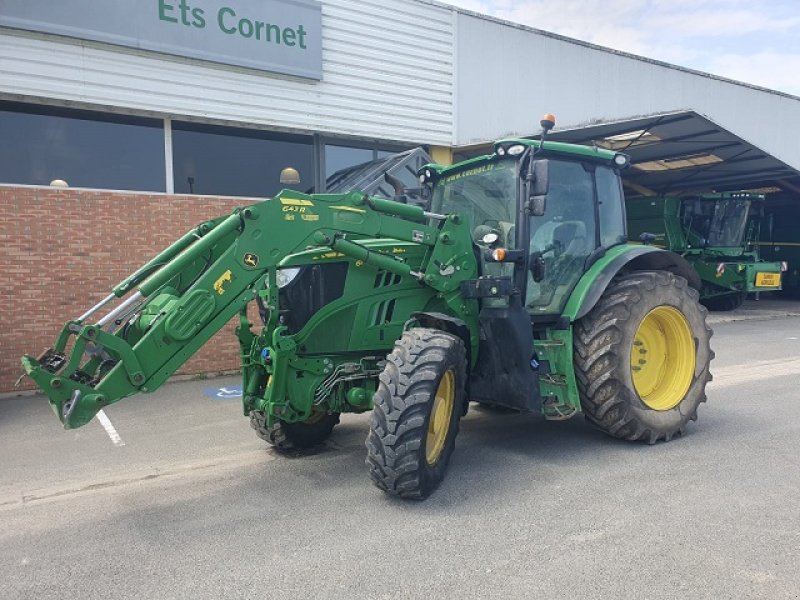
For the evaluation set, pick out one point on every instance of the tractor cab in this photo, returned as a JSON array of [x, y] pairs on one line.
[[541, 214], [717, 220]]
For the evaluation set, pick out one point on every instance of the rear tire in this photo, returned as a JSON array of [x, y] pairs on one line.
[[620, 392], [286, 437], [419, 402]]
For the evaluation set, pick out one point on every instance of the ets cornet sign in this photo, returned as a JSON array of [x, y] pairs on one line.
[[279, 36]]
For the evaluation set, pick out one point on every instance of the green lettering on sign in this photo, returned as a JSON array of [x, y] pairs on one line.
[[163, 7], [231, 24], [221, 19]]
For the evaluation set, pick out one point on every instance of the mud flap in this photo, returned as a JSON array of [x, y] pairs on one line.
[[504, 375]]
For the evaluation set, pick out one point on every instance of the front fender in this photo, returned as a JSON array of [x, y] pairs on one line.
[[630, 257]]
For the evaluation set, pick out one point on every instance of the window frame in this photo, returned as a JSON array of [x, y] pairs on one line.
[[170, 123]]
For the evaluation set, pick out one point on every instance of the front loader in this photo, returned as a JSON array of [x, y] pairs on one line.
[[514, 288]]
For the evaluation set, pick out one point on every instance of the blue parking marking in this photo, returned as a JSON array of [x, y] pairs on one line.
[[231, 392]]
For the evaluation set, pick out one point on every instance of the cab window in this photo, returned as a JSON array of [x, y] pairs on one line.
[[610, 203], [564, 236]]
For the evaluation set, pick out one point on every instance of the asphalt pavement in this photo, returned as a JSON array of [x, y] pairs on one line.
[[189, 503]]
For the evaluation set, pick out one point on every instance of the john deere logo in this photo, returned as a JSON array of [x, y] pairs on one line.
[[250, 259]]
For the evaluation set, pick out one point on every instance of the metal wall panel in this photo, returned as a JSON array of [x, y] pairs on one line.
[[387, 74], [508, 76]]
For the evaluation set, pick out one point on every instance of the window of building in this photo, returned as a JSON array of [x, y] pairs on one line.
[[338, 158], [228, 161], [42, 144], [342, 163]]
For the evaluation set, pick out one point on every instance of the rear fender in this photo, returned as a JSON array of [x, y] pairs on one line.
[[626, 258]]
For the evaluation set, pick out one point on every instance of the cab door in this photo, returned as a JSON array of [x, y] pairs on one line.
[[564, 237]]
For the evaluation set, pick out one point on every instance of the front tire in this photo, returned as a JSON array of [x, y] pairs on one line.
[[416, 413], [642, 357], [286, 437]]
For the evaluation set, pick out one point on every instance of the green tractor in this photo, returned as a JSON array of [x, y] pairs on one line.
[[717, 234], [514, 287]]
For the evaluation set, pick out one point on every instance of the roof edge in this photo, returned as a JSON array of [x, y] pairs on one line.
[[564, 38]]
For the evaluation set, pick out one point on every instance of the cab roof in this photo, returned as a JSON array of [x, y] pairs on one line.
[[549, 149]]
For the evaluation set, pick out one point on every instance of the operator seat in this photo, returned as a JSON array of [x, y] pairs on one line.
[[570, 239]]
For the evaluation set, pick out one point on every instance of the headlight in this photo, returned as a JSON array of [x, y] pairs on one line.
[[621, 160], [286, 276], [515, 150]]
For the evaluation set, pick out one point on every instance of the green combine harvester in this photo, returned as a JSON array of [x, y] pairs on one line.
[[717, 234], [514, 287], [780, 242]]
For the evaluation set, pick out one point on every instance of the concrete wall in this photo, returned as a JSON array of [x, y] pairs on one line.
[[62, 250]]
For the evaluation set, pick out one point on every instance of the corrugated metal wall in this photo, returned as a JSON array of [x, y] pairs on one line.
[[387, 73], [405, 70], [508, 77]]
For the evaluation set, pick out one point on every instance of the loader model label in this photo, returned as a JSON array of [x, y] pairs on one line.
[[226, 277], [250, 259]]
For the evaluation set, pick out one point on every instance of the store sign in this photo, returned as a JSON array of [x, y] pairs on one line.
[[281, 36]]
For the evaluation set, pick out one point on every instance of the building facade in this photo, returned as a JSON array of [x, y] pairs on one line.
[[122, 123]]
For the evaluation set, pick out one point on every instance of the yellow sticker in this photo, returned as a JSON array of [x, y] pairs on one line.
[[327, 255], [296, 202], [360, 211], [226, 277], [310, 217]]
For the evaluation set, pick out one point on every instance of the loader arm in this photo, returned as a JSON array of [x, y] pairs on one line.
[[171, 306]]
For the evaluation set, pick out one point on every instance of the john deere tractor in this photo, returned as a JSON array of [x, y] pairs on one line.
[[514, 287], [717, 234]]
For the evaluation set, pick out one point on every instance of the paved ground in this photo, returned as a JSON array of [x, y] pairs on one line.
[[768, 306], [195, 506]]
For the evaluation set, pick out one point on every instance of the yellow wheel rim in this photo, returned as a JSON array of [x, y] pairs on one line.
[[663, 358], [441, 414]]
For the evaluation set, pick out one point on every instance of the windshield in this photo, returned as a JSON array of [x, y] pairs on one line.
[[486, 195], [721, 222]]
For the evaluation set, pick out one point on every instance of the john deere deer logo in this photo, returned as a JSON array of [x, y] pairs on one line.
[[250, 259]]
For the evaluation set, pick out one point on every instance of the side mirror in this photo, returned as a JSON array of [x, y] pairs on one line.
[[541, 178], [537, 205], [538, 185]]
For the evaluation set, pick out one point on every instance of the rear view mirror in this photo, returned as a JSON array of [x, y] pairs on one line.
[[541, 178], [537, 205], [538, 185]]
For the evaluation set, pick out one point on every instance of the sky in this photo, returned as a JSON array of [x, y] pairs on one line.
[[755, 41]]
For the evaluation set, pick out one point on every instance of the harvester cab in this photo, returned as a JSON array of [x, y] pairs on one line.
[[513, 288], [716, 234]]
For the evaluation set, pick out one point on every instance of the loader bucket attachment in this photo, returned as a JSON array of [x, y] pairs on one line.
[[166, 310], [74, 403]]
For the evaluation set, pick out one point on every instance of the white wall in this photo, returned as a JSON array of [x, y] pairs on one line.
[[387, 73], [509, 76]]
